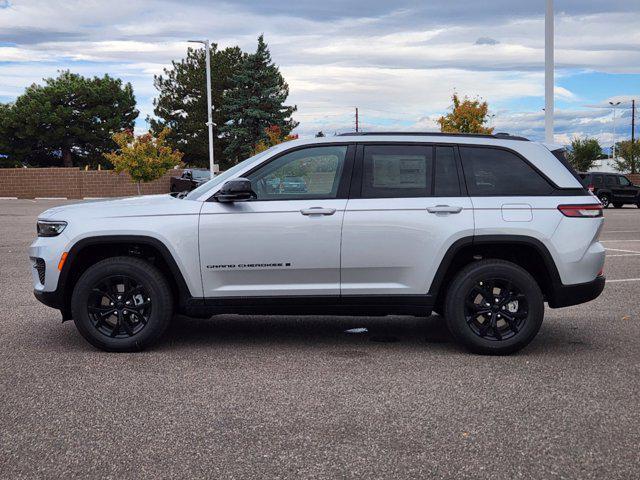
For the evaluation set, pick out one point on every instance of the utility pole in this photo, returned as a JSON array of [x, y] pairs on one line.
[[212, 165], [548, 72], [633, 136], [357, 120], [614, 105]]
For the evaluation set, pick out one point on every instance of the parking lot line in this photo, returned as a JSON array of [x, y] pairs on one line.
[[620, 250], [623, 280], [621, 231], [618, 241], [624, 255]]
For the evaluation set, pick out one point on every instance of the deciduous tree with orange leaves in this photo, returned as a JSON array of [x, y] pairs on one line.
[[145, 157], [466, 116], [274, 137]]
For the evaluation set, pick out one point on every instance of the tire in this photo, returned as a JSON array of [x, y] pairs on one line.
[[618, 205], [521, 301], [604, 200], [99, 304]]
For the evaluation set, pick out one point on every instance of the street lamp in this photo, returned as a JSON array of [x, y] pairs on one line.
[[614, 105], [209, 105], [548, 72]]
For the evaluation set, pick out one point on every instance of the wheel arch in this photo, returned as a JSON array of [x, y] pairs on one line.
[[527, 252], [87, 251]]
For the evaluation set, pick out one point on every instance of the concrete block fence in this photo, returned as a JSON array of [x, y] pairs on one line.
[[75, 183]]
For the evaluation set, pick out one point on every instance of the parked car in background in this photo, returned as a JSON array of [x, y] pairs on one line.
[[294, 184], [190, 179], [611, 188]]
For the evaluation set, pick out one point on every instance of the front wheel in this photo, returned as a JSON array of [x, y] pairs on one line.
[[122, 304], [494, 307]]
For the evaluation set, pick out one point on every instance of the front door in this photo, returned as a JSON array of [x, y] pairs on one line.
[[406, 209], [287, 241]]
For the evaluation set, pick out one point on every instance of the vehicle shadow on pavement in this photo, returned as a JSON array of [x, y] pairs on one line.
[[237, 329]]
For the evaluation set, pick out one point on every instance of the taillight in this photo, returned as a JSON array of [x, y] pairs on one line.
[[582, 211], [591, 188]]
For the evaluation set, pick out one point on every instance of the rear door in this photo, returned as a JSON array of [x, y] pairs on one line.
[[612, 182], [405, 209]]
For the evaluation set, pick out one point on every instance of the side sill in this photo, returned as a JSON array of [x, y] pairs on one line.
[[417, 305]]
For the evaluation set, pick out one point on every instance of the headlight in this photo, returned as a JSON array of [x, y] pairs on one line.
[[50, 228]]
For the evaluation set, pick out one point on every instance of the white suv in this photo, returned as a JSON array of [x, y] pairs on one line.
[[482, 229]]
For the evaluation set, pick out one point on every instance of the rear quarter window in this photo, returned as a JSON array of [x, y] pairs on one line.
[[496, 172]]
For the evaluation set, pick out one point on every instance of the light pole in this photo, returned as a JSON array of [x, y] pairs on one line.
[[614, 105], [548, 73], [209, 105]]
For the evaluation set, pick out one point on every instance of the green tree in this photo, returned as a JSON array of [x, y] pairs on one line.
[[145, 158], [466, 116], [583, 153], [628, 160], [254, 103], [181, 104], [69, 120]]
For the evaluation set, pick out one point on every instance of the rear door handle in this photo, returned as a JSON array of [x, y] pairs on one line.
[[318, 211], [444, 209]]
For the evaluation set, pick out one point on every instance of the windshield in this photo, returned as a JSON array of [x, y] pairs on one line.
[[218, 179], [200, 174]]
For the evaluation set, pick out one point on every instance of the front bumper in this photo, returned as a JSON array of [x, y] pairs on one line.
[[567, 295]]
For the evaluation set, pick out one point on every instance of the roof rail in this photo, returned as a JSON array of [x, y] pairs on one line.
[[501, 135]]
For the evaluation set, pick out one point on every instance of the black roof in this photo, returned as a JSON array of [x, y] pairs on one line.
[[502, 136]]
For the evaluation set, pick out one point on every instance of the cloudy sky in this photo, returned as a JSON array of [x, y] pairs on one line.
[[398, 61]]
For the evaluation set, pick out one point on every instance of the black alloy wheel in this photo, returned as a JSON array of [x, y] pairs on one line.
[[604, 200], [122, 304], [493, 306], [496, 309], [119, 307]]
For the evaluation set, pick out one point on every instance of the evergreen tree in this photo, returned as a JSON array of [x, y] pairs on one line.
[[181, 105], [69, 120], [255, 103]]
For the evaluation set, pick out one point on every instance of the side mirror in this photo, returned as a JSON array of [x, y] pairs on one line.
[[236, 190]]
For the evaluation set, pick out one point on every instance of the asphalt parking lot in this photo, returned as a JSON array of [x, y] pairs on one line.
[[287, 397]]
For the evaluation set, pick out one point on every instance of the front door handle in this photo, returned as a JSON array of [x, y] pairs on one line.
[[318, 211], [444, 209]]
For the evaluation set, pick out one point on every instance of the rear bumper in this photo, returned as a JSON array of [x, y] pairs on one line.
[[567, 295]]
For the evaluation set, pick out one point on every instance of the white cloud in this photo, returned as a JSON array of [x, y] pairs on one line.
[[398, 61]]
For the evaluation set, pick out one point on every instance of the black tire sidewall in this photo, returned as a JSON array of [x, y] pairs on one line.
[[460, 288], [144, 273]]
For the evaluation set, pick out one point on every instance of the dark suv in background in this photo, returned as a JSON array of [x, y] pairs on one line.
[[611, 188]]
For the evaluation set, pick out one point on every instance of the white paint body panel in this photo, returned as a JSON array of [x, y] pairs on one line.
[[394, 245], [302, 252]]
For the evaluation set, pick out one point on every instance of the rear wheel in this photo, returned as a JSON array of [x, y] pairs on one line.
[[618, 205], [494, 307], [604, 200], [122, 304]]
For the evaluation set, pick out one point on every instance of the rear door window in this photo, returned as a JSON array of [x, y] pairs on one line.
[[598, 181], [496, 172], [397, 171]]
